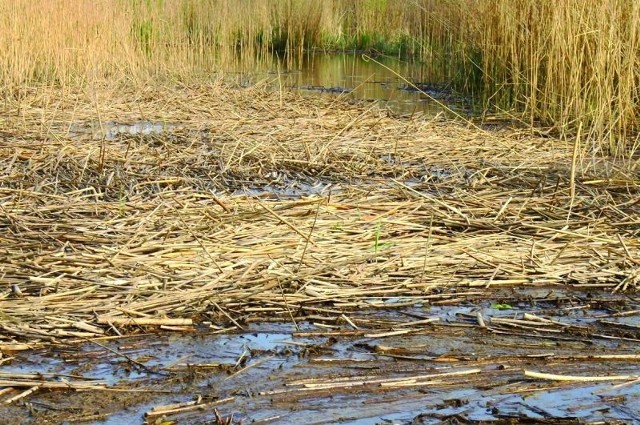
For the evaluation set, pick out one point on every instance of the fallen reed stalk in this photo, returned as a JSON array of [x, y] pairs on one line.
[[223, 215], [555, 377]]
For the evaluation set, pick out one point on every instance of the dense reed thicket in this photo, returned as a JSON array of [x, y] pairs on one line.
[[562, 64]]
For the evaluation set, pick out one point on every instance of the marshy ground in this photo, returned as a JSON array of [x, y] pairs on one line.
[[256, 256]]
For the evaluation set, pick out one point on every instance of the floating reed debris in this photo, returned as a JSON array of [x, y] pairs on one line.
[[200, 222], [555, 377], [179, 408]]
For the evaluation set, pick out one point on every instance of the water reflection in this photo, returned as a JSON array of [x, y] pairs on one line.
[[387, 80]]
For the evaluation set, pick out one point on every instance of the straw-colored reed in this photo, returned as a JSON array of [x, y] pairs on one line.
[[97, 230], [562, 65]]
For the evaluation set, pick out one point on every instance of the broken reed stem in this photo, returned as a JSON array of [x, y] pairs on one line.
[[22, 394], [427, 247], [228, 316], [249, 366], [283, 221], [176, 409], [128, 358], [554, 377], [411, 84], [286, 304], [572, 178], [306, 245]]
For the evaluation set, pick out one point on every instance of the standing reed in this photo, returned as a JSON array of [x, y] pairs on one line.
[[557, 64]]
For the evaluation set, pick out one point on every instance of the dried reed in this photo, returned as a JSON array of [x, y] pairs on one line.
[[102, 231], [560, 64]]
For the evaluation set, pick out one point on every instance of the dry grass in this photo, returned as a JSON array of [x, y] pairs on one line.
[[569, 64], [96, 230], [561, 65]]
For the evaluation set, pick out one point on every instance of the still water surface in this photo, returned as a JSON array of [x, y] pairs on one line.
[[405, 87]]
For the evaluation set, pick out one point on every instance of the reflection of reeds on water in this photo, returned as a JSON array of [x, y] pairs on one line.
[[100, 233]]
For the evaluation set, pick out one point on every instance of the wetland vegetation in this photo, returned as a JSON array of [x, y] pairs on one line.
[[564, 66], [185, 237]]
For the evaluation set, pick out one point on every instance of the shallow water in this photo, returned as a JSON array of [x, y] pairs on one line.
[[112, 130], [261, 366], [402, 86]]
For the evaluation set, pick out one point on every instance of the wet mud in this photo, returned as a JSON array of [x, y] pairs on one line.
[[404, 361]]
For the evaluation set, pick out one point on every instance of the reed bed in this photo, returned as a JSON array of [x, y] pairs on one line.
[[564, 66], [106, 232]]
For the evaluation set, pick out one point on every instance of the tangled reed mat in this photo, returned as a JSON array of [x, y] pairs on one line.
[[208, 208]]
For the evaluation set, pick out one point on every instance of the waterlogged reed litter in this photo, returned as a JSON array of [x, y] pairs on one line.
[[246, 203]]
